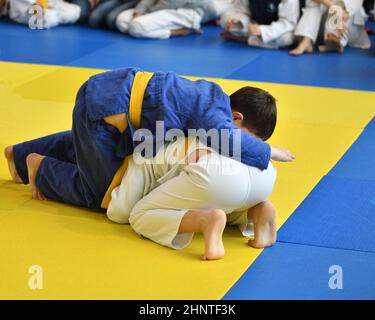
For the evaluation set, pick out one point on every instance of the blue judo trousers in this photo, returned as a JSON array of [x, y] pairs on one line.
[[80, 164]]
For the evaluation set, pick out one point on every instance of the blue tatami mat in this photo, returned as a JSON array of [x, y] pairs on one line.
[[206, 55], [340, 211], [290, 271], [359, 161]]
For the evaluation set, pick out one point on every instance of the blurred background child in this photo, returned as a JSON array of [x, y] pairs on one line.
[[161, 19], [43, 13], [317, 26], [262, 23]]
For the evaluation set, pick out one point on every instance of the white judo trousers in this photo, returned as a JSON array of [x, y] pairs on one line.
[[278, 34], [158, 24], [58, 12], [311, 21], [154, 198]]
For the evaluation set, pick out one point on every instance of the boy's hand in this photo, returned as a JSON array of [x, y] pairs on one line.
[[282, 155]]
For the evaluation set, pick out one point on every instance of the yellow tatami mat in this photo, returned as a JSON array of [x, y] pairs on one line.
[[83, 255]]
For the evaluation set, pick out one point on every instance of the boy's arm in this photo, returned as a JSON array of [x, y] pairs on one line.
[[253, 151], [288, 19]]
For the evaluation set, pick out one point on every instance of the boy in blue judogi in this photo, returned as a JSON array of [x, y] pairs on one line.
[[84, 165]]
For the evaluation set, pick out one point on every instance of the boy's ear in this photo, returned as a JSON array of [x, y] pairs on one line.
[[237, 116]]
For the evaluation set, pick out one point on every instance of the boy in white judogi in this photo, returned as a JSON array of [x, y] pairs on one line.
[[262, 23], [47, 13], [340, 23], [167, 200], [161, 19]]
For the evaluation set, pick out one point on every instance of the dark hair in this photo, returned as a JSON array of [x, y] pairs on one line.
[[258, 108]]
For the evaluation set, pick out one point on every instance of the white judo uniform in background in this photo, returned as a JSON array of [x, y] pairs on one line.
[[58, 12], [159, 17], [154, 198], [278, 34], [216, 8], [312, 23]]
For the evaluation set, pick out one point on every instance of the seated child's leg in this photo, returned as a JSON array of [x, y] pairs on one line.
[[285, 40], [308, 27], [50, 18], [59, 146], [163, 24], [85, 9], [263, 217], [112, 16], [123, 20], [98, 15], [67, 12], [305, 45]]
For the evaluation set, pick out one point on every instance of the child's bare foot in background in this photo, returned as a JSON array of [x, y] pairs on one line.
[[304, 46]]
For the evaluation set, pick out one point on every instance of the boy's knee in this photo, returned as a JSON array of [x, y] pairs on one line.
[[266, 206], [218, 214], [137, 28], [110, 20]]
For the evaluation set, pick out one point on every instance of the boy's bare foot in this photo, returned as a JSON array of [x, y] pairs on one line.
[[185, 32], [264, 218], [213, 235], [227, 35], [304, 46], [8, 153], [332, 44], [33, 162]]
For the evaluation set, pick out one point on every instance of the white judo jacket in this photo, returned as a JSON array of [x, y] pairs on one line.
[[288, 12], [58, 12]]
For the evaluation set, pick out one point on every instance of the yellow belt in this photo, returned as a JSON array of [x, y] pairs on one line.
[[140, 82]]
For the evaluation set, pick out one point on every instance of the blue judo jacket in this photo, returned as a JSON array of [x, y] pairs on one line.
[[180, 103]]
